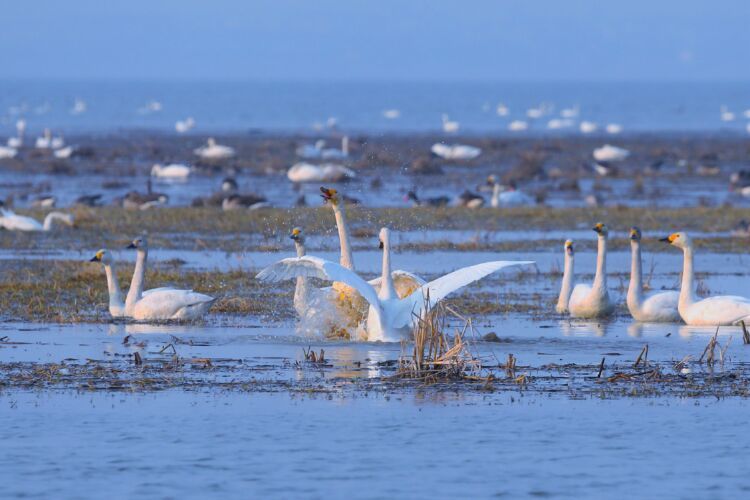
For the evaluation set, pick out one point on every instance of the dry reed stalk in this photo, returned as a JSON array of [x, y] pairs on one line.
[[601, 369], [708, 352], [745, 334], [643, 355]]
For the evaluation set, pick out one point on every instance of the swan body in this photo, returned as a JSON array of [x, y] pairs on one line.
[[518, 126], [455, 151], [655, 308], [559, 123], [160, 303], [213, 151], [8, 152], [726, 115], [502, 110], [570, 112], [588, 127], [503, 196], [592, 301], [712, 311], [567, 281], [391, 114], [389, 318], [183, 126], [171, 171], [14, 222], [307, 172], [64, 153], [610, 153]]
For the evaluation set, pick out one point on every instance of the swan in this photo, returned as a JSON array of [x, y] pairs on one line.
[[712, 311], [455, 151], [183, 126], [509, 196], [336, 154], [567, 280], [592, 301], [588, 127], [613, 128], [518, 126], [726, 115], [14, 222], [656, 308], [17, 141], [558, 123], [64, 153], [79, 107], [302, 290], [49, 142], [535, 113], [213, 151], [405, 282], [307, 172], [391, 114], [610, 153], [160, 303], [570, 112], [502, 110], [7, 152], [389, 318], [449, 126], [171, 171]]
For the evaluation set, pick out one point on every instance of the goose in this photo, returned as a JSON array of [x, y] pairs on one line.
[[592, 301], [14, 222], [449, 126], [89, 200], [171, 171], [509, 196], [139, 201], [7, 152], [656, 308], [610, 153], [437, 201], [160, 303], [241, 201], [518, 126], [17, 141], [455, 151], [307, 172], [228, 186], [183, 126], [389, 317], [405, 282], [567, 281], [468, 199], [613, 128], [45, 201], [712, 311], [587, 127], [213, 151]]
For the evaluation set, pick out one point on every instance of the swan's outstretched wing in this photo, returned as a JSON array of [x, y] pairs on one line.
[[314, 267], [440, 288], [405, 283]]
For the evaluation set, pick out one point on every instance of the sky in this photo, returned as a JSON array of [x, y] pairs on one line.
[[392, 40]]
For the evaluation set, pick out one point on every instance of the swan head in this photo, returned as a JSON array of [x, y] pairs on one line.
[[297, 235], [102, 256], [491, 180], [680, 240], [601, 229], [211, 142], [635, 234], [229, 184], [140, 243], [330, 195], [569, 248], [384, 237]]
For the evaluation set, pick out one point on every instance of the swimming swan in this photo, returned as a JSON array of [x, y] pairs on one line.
[[656, 308], [160, 303], [307, 172], [567, 280], [213, 151], [712, 311], [592, 301], [389, 318], [14, 222], [171, 171]]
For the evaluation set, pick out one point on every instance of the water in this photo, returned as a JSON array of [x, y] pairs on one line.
[[359, 106]]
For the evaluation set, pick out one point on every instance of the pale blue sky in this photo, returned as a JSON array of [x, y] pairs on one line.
[[384, 39]]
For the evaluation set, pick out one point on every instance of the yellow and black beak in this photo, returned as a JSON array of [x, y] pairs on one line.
[[669, 239], [132, 245], [569, 248], [97, 257], [295, 234], [380, 244], [598, 227], [328, 194]]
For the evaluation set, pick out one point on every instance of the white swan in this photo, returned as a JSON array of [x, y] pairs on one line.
[[610, 153], [14, 222], [559, 123], [567, 281], [17, 141], [49, 142], [455, 151], [213, 151], [588, 127], [171, 171], [509, 196], [449, 126], [307, 172], [711, 311], [391, 114], [502, 110], [64, 153], [7, 152], [184, 126], [613, 128], [389, 318], [302, 290], [592, 301], [656, 308], [518, 126], [160, 303], [336, 154], [405, 282]]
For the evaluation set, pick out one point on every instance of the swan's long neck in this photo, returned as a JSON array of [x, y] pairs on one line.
[[387, 289], [136, 285], [635, 288], [600, 279], [51, 217], [495, 195], [687, 290], [301, 291], [113, 286], [567, 283], [346, 252], [345, 145]]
